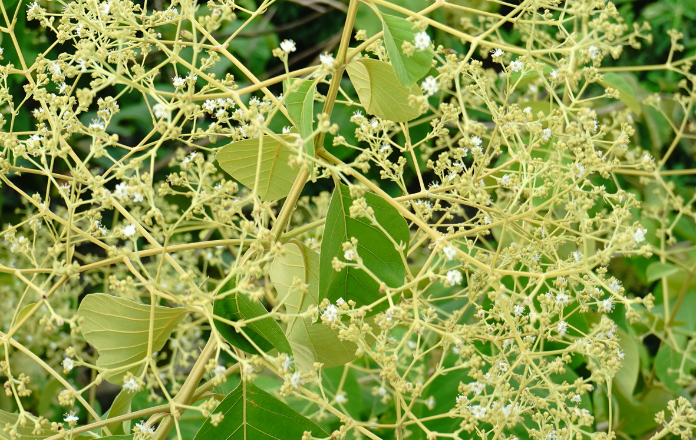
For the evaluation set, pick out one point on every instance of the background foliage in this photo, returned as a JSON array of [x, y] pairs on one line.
[[131, 239]]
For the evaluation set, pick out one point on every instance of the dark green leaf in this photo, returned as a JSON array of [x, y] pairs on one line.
[[264, 332], [376, 249], [253, 414], [408, 69]]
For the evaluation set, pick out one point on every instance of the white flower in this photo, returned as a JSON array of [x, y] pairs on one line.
[[296, 379], [620, 353], [580, 170], [178, 81], [144, 429], [450, 252], [487, 220], [454, 277], [210, 105], [288, 46], [68, 364], [516, 66], [594, 125], [506, 180], [562, 327], [71, 417], [62, 87], [430, 403], [477, 387], [562, 299], [476, 141], [607, 306], [422, 41], [340, 302], [219, 370], [327, 60], [341, 398], [330, 314], [578, 256], [188, 159], [286, 130], [527, 110], [430, 85], [97, 124], [639, 235], [503, 366], [349, 254], [105, 8], [547, 134], [382, 391], [287, 363], [160, 110], [576, 398], [33, 7], [131, 385], [615, 285], [478, 411], [519, 310], [498, 53], [593, 51], [122, 191], [508, 410], [128, 231], [461, 399], [554, 74]]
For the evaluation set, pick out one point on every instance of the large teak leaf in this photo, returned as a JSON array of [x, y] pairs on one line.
[[240, 160], [376, 249], [265, 333], [408, 69], [311, 342], [252, 414], [300, 103], [379, 90], [120, 328]]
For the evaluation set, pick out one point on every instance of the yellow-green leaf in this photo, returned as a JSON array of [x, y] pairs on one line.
[[120, 329], [311, 342], [240, 160], [379, 90], [408, 69]]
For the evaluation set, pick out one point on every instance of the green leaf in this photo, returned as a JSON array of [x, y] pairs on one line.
[[625, 379], [119, 329], [380, 93], [300, 104], [311, 342], [627, 95], [375, 248], [120, 406], [264, 332], [669, 362], [408, 69], [252, 414], [658, 270], [240, 159]]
